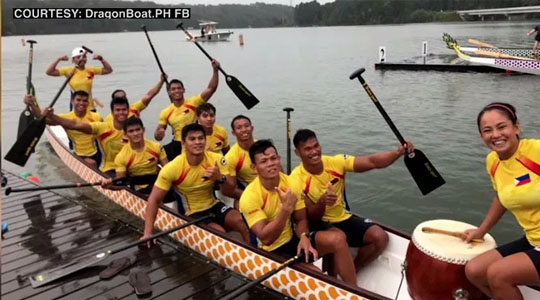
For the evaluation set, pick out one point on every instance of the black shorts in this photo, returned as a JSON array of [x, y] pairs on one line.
[[173, 149], [354, 228], [537, 37], [290, 248], [522, 245], [220, 211]]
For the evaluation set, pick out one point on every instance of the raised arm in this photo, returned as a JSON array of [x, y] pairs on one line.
[[52, 70], [531, 31], [380, 160], [153, 91], [53, 119], [213, 84], [106, 66]]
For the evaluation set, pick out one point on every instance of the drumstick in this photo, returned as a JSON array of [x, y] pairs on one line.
[[457, 234]]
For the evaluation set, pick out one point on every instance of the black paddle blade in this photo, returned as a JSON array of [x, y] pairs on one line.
[[24, 146], [25, 118], [424, 173], [246, 97]]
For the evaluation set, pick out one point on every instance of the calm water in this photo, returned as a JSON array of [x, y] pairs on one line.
[[308, 69]]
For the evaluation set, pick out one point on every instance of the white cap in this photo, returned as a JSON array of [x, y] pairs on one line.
[[77, 51]]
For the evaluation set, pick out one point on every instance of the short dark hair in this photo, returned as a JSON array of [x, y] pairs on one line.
[[506, 109], [259, 147], [205, 107], [80, 93], [132, 121], [192, 128], [119, 101], [238, 118], [302, 135], [116, 91], [174, 81]]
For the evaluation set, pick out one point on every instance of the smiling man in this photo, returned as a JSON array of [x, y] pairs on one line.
[[182, 111], [216, 136], [193, 174]]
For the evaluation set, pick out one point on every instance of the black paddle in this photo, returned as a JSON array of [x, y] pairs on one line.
[[423, 172], [155, 54], [288, 110], [246, 287], [117, 181], [25, 144], [52, 275], [246, 97], [27, 116]]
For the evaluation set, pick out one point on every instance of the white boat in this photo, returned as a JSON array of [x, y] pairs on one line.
[[209, 33], [498, 60], [382, 279]]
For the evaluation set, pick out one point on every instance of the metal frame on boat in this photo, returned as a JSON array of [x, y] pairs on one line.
[[516, 64], [382, 279]]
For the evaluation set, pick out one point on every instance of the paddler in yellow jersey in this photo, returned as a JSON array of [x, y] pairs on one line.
[[83, 143], [182, 111], [110, 135], [138, 106], [216, 135], [322, 180], [194, 174], [83, 78], [273, 200], [238, 161]]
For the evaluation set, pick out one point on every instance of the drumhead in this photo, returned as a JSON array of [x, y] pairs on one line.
[[449, 248]]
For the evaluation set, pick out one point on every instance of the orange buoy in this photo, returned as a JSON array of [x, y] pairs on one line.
[[241, 39]]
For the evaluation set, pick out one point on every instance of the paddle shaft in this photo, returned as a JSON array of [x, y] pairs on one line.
[[200, 47], [457, 234], [288, 110], [162, 233], [30, 62], [155, 53], [117, 181], [246, 287], [381, 109], [481, 44]]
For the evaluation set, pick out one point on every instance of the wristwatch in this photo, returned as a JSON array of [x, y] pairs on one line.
[[222, 180]]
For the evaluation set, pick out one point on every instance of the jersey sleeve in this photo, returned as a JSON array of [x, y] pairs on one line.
[[98, 127], [221, 162], [196, 100], [165, 177], [65, 71], [491, 161], [250, 207], [120, 161], [231, 163], [95, 70], [97, 117], [137, 107], [345, 162]]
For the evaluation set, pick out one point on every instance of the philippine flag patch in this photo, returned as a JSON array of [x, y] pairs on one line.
[[521, 180]]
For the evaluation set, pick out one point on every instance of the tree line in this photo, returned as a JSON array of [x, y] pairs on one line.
[[339, 12]]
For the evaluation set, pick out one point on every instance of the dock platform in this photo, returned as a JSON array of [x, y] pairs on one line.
[[436, 62], [46, 230]]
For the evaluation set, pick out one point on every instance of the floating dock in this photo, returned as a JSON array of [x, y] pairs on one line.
[[437, 62], [47, 230]]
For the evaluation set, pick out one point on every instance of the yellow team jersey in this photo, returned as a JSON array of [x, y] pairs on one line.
[[239, 164], [257, 203], [178, 117], [314, 186], [82, 80], [137, 163], [197, 192], [83, 143], [218, 140], [110, 140], [135, 109], [517, 183]]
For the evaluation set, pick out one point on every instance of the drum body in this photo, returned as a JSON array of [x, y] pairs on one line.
[[436, 263]]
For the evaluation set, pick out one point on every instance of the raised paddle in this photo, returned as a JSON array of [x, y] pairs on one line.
[[288, 110], [423, 172], [481, 44], [117, 181], [26, 117], [247, 286], [457, 234], [155, 53], [24, 145], [246, 97], [52, 275]]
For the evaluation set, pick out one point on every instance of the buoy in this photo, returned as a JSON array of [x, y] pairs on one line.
[[25, 174], [241, 39], [33, 178]]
